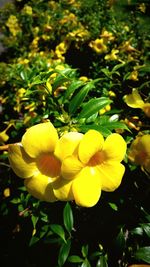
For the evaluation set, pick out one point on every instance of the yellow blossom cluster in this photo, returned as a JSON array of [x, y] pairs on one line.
[[75, 166], [13, 25]]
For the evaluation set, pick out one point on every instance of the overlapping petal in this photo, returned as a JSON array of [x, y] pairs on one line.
[[114, 147], [91, 143], [111, 174], [23, 165], [40, 186], [71, 166], [62, 189], [40, 138], [67, 144], [86, 187]]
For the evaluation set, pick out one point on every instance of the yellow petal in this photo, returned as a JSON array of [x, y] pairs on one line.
[[40, 138], [114, 147], [111, 174], [21, 163], [67, 144], [40, 186], [146, 109], [91, 143], [86, 187], [62, 189], [70, 167], [139, 151], [134, 100]]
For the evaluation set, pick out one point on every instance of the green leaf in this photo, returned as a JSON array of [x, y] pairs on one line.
[[64, 252], [84, 250], [146, 228], [143, 254], [34, 220], [93, 106], [75, 259], [63, 76], [137, 231], [102, 262], [86, 263], [68, 217], [104, 131], [113, 206], [80, 96], [71, 88], [58, 230], [120, 242], [33, 240]]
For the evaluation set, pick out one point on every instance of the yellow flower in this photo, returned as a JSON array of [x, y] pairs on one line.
[[34, 160], [98, 46], [105, 109], [134, 100], [112, 55], [139, 151], [107, 35], [12, 24], [3, 135], [93, 166]]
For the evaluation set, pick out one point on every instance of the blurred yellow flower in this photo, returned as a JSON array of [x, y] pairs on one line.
[[134, 75], [93, 166], [6, 192], [105, 109], [112, 55], [107, 35], [27, 10], [98, 46], [139, 152], [3, 135], [134, 100], [13, 25]]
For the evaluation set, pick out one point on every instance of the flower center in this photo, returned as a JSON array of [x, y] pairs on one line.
[[48, 165], [97, 159]]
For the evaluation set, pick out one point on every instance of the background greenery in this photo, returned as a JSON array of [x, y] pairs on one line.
[[49, 70]]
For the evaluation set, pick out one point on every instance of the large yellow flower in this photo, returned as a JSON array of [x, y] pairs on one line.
[[134, 100], [33, 159], [93, 166], [139, 151]]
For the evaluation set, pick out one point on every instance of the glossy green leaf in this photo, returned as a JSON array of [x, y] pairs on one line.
[[93, 106], [84, 250], [77, 100], [68, 217], [34, 220], [72, 87], [64, 252], [75, 259], [146, 228], [102, 262], [58, 230], [86, 263], [104, 131], [143, 254]]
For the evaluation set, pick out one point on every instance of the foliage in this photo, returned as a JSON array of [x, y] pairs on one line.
[[50, 70]]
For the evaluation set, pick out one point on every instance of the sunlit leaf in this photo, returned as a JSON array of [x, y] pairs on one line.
[[143, 254], [68, 217]]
